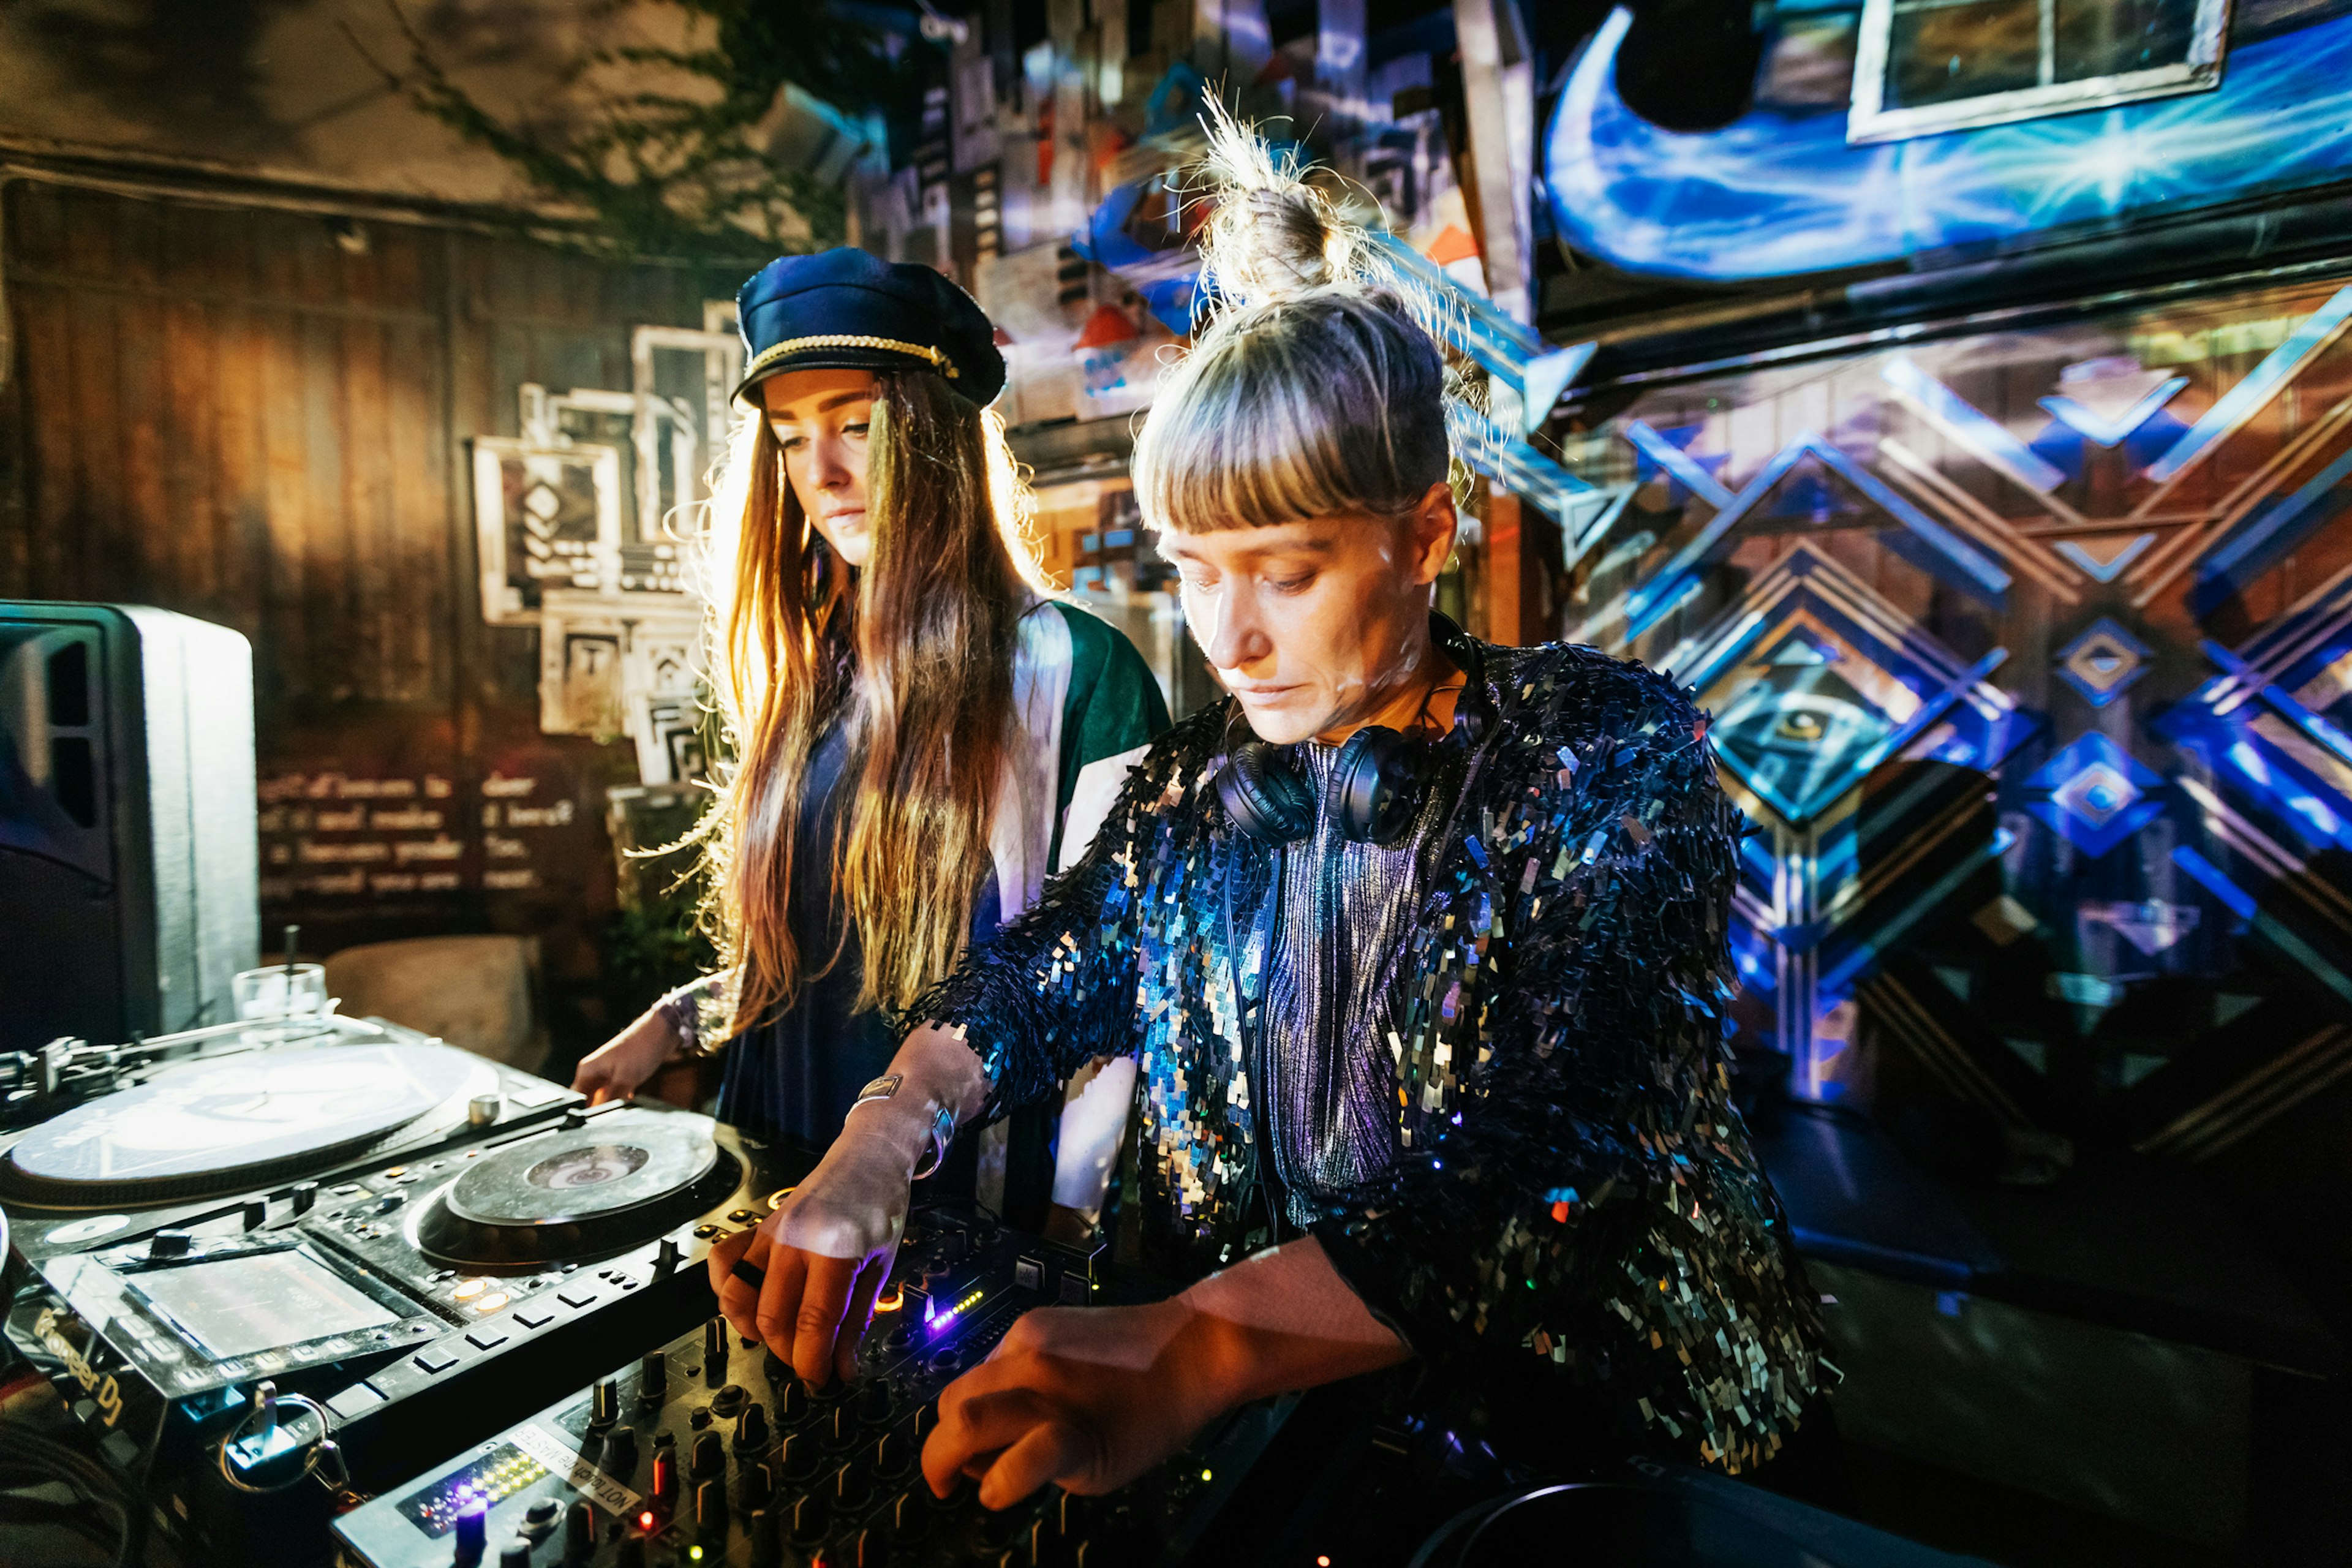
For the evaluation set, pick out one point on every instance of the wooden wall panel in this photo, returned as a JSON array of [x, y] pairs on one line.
[[238, 415]]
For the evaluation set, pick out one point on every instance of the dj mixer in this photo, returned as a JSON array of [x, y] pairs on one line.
[[708, 1450]]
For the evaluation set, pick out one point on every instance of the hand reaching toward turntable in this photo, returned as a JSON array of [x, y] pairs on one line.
[[827, 1249], [615, 1069]]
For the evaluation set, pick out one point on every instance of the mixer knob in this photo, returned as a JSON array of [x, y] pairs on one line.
[[709, 1455], [665, 1483], [767, 1542], [306, 1198], [652, 1379], [711, 1511], [253, 1215], [798, 1457], [579, 1534], [874, 1401], [472, 1535], [893, 1456], [541, 1515], [604, 1405], [809, 1519], [908, 1517], [775, 1368], [751, 1432], [727, 1401], [755, 1485], [168, 1244], [621, 1452], [791, 1399], [515, 1553], [714, 1351], [853, 1488], [874, 1548]]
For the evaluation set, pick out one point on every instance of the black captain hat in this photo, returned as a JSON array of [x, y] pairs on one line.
[[846, 309]]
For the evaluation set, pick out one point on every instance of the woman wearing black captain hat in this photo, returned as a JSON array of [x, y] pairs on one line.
[[919, 734]]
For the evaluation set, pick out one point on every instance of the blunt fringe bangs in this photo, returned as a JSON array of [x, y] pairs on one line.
[[1314, 404]]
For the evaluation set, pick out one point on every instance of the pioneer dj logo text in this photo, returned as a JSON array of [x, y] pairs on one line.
[[104, 1390]]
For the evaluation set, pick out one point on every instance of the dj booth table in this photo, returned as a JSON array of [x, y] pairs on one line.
[[338, 1292]]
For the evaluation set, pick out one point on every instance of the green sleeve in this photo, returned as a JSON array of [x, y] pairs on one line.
[[1114, 704]]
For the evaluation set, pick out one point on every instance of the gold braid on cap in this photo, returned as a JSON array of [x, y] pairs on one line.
[[771, 355]]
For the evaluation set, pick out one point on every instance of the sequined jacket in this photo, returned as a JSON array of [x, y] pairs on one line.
[[1574, 1218]]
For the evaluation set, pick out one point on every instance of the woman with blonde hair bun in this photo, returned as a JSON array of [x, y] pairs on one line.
[[1419, 942], [919, 732]]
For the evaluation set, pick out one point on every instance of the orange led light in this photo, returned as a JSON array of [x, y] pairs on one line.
[[776, 1199], [890, 1301], [645, 1522], [1323, 1561], [493, 1301], [467, 1290]]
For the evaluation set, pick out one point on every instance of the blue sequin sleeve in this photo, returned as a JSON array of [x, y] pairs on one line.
[[1577, 1208], [1057, 988]]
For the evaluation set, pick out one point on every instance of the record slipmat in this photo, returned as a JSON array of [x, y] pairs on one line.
[[236, 1123]]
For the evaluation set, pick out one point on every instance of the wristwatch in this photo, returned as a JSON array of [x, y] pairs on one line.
[[943, 1120]]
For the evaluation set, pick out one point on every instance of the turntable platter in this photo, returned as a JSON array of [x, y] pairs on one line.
[[240, 1122], [577, 1191]]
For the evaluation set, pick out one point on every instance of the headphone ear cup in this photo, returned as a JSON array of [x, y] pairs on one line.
[[1266, 795], [1376, 785]]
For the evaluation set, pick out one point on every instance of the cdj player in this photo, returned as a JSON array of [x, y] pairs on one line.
[[267, 1281]]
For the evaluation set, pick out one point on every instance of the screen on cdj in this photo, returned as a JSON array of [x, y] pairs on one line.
[[236, 1306]]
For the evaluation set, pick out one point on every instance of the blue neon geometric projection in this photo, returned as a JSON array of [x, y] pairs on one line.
[[1888, 575], [2095, 794], [1814, 681], [2104, 662]]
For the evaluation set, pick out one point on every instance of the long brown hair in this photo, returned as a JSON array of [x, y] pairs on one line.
[[914, 653]]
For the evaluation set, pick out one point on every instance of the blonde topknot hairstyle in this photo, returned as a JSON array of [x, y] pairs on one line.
[[1314, 387]]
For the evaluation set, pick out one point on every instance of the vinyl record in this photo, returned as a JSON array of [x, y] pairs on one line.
[[239, 1122], [578, 1192]]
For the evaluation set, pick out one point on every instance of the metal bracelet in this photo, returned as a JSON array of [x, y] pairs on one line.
[[943, 1126]]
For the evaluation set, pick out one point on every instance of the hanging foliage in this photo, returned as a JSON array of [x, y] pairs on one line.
[[681, 168]]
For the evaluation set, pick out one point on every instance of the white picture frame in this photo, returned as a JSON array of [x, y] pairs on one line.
[[1869, 119]]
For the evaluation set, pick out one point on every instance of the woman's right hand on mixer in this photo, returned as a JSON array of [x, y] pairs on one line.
[[614, 1069], [827, 1250]]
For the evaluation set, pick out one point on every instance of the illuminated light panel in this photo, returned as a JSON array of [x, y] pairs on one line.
[[776, 1199], [890, 1301], [468, 1289], [493, 1301]]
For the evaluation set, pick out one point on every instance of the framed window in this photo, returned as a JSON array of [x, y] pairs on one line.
[[1926, 65]]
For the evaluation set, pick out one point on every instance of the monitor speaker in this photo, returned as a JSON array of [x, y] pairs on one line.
[[129, 870]]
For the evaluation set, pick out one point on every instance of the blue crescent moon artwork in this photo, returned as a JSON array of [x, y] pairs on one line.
[[1777, 192]]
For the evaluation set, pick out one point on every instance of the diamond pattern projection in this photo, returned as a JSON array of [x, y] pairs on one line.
[[2104, 662], [1814, 680], [2276, 730], [2095, 794]]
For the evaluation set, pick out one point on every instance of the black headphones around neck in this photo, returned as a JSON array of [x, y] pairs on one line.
[[1377, 785], [1377, 780]]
